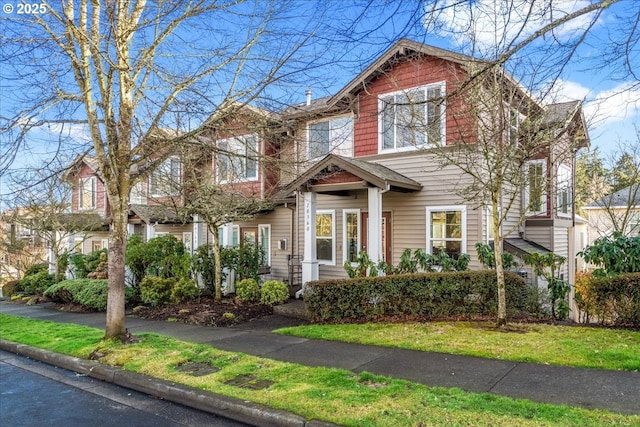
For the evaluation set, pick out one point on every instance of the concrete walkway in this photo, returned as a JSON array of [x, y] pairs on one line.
[[588, 388]]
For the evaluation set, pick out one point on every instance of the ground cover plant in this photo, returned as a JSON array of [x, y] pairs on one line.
[[578, 346], [335, 395]]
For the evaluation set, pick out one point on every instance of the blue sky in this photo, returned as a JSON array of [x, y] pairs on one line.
[[612, 105]]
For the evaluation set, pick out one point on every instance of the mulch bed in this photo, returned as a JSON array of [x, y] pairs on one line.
[[205, 311]]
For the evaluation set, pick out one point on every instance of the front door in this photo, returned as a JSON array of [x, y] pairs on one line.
[[386, 234], [249, 235]]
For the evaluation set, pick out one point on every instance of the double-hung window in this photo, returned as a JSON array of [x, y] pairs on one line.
[[535, 195], [447, 230], [87, 193], [331, 136], [563, 190], [165, 180], [326, 237], [237, 159], [412, 118]]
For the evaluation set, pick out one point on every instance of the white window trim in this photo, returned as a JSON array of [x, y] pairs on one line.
[[94, 195], [268, 252], [332, 145], [187, 236], [570, 207], [333, 236], [345, 245], [443, 121], [527, 191], [157, 170], [460, 208], [242, 138], [489, 222]]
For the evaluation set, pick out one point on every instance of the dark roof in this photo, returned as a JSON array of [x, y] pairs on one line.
[[84, 221], [161, 214], [521, 247], [627, 197], [561, 112], [374, 174]]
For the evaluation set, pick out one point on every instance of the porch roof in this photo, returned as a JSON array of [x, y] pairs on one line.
[[161, 214], [367, 174], [521, 247]]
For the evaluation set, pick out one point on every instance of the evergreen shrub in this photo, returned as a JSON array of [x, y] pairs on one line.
[[248, 290], [274, 292], [430, 295]]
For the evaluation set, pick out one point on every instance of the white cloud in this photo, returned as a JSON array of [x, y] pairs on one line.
[[493, 25]]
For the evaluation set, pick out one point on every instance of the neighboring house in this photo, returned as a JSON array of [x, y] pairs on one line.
[[618, 211], [20, 246], [148, 215]]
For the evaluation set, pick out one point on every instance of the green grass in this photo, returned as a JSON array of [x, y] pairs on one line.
[[334, 395], [585, 347]]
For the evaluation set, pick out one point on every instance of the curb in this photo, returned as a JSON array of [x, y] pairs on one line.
[[229, 407]]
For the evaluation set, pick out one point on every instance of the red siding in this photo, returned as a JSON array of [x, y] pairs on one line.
[[407, 74], [102, 204]]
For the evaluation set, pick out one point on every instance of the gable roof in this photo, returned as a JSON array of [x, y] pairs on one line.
[[625, 198], [150, 214], [86, 159], [372, 175]]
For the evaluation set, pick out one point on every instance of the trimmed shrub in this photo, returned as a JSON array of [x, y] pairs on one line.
[[274, 292], [248, 290], [156, 290], [90, 293], [614, 300], [10, 287], [431, 295], [36, 268], [84, 264], [184, 289], [37, 283]]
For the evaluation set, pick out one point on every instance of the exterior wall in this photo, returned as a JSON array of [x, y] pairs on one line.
[[541, 235], [408, 74], [101, 204]]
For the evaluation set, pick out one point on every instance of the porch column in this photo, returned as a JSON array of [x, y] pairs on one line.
[[196, 232], [151, 231], [310, 260], [374, 228], [571, 275]]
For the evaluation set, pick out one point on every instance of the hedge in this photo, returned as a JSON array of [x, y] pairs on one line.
[[431, 295], [616, 299]]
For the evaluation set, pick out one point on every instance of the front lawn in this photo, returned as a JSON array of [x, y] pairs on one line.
[[578, 346], [334, 395]]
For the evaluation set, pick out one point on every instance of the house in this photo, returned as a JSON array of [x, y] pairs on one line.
[[20, 245], [359, 171], [618, 211], [358, 174]]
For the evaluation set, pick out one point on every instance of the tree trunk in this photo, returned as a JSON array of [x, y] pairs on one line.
[[216, 257], [497, 251], [117, 250]]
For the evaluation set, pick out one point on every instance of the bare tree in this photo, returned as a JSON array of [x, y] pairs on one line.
[[43, 208], [502, 129], [129, 71]]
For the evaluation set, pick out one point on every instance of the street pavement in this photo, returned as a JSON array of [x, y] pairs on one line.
[[588, 388], [35, 394]]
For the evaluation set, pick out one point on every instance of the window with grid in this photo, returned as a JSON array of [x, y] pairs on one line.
[[446, 230], [331, 136], [165, 180], [412, 118], [237, 159]]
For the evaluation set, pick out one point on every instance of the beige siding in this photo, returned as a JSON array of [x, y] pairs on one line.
[[541, 235], [561, 246]]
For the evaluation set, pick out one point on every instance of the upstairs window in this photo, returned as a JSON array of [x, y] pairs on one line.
[[165, 180], [87, 193], [412, 118], [331, 136], [535, 196], [563, 185], [237, 159]]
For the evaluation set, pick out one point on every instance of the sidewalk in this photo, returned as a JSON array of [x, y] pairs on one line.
[[588, 388]]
